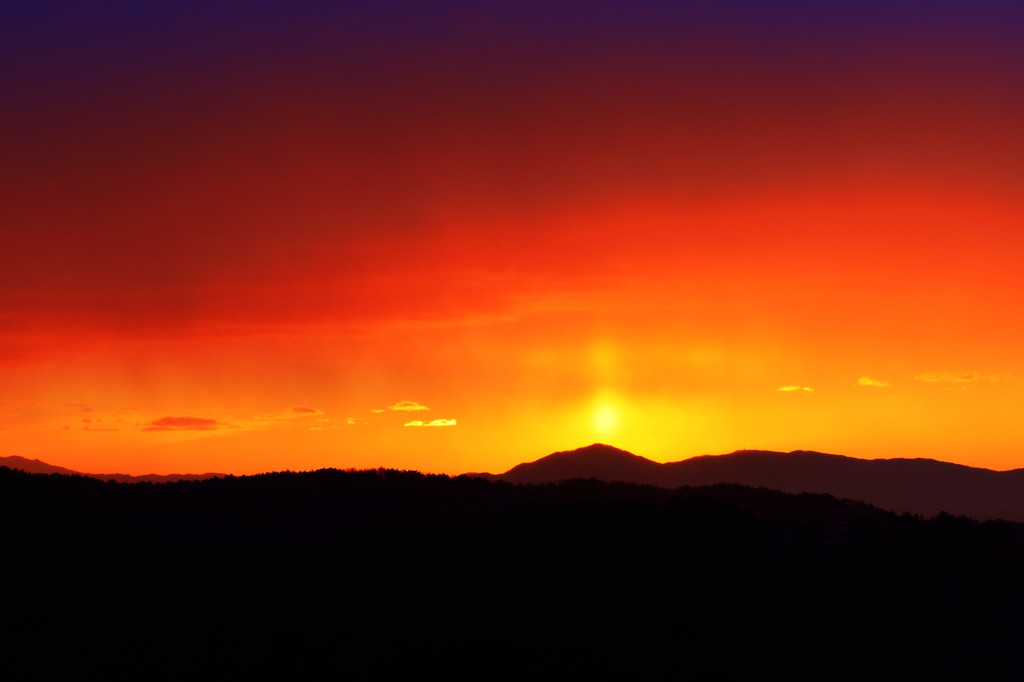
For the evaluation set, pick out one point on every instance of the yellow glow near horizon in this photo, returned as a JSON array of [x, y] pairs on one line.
[[606, 419]]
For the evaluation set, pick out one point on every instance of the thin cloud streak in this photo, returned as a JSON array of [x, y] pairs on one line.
[[408, 406], [183, 424], [946, 377], [433, 422], [291, 413]]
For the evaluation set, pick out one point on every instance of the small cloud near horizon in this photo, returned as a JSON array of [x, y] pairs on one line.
[[441, 422], [790, 389], [434, 422], [183, 424], [946, 377], [408, 406], [868, 381], [290, 413]]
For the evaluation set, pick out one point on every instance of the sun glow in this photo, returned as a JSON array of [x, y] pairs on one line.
[[605, 415], [606, 418]]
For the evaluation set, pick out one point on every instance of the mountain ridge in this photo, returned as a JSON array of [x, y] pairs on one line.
[[38, 466], [915, 485], [922, 486]]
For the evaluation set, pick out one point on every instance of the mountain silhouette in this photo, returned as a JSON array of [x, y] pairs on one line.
[[919, 486], [599, 461], [36, 466]]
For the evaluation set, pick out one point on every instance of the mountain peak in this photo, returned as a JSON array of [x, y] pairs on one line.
[[596, 449], [593, 461]]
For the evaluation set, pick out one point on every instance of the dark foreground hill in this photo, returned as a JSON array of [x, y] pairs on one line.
[[919, 486], [397, 575]]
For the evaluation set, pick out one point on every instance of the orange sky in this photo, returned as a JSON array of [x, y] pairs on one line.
[[234, 259]]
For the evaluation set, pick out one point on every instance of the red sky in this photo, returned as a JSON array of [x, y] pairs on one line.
[[242, 243]]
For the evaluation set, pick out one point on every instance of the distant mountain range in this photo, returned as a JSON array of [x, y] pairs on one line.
[[36, 466], [918, 486]]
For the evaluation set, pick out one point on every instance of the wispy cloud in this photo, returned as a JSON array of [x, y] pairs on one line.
[[868, 381], [441, 422], [291, 413], [946, 377], [408, 406], [790, 389], [183, 424], [434, 422]]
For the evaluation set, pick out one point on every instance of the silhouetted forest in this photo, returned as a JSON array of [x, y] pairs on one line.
[[388, 575]]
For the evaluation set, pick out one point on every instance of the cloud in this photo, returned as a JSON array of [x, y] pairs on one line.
[[291, 413], [434, 422], [868, 381], [408, 406], [183, 424], [441, 422], [961, 377], [948, 377], [795, 388], [350, 420], [377, 411]]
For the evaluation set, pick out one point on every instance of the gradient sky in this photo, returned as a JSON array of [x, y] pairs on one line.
[[242, 237]]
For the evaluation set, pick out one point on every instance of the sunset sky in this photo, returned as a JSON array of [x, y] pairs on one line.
[[457, 235]]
